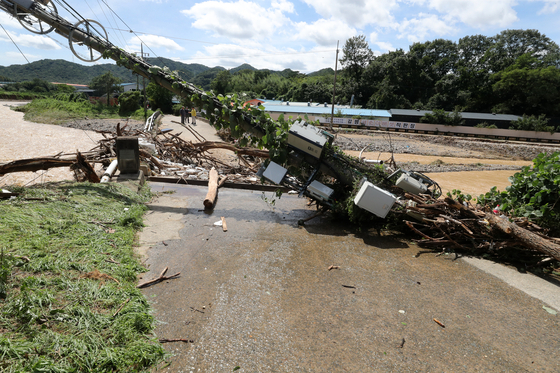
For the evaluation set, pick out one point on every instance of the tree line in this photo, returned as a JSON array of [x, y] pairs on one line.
[[515, 72]]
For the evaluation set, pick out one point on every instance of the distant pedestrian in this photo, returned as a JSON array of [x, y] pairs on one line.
[[183, 112], [193, 113]]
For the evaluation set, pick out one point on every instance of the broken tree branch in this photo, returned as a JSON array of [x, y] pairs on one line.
[[161, 277]]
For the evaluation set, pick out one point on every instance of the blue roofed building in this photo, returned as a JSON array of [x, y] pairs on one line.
[[320, 111]]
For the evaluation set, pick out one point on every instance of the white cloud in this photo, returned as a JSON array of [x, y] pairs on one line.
[[383, 46], [241, 19], [283, 6], [17, 57], [34, 41], [7, 20], [231, 55], [481, 14], [356, 12], [324, 32], [550, 6], [154, 41], [418, 29]]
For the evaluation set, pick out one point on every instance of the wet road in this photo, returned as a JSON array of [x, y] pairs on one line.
[[260, 297]]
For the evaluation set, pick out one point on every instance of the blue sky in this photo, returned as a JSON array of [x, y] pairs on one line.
[[278, 34]]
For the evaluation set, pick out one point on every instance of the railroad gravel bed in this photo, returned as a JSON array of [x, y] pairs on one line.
[[429, 144]]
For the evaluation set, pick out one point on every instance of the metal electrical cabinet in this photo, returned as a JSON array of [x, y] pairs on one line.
[[307, 138], [411, 185], [374, 199]]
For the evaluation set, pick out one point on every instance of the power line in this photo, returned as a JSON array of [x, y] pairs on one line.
[[114, 20], [14, 43], [111, 9]]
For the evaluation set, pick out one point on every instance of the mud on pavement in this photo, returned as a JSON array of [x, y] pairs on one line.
[[260, 297]]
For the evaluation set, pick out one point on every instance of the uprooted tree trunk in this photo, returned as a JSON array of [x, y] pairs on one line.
[[36, 164], [528, 238]]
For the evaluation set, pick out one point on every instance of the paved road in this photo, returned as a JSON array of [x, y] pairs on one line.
[[260, 296]]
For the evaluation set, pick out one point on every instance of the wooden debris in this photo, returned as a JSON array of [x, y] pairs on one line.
[[212, 189], [528, 238], [401, 345], [439, 323], [161, 277], [224, 225], [333, 267], [166, 340], [453, 225]]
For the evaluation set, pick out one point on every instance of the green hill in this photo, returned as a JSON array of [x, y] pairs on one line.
[[62, 71]]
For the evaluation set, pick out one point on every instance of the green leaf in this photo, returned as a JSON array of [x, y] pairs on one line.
[[550, 310]]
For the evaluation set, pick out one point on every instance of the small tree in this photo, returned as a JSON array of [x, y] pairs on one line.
[[160, 98], [106, 83], [357, 56], [440, 116], [532, 123], [129, 102]]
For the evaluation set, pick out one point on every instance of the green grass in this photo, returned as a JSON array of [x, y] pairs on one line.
[[56, 111], [53, 318]]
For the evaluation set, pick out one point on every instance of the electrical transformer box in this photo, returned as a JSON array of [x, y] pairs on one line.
[[410, 184], [374, 199], [307, 138], [320, 191], [275, 173]]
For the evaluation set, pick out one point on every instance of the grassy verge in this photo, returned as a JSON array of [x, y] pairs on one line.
[[55, 111], [68, 301]]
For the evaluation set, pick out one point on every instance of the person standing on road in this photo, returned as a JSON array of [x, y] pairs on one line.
[[193, 113], [183, 112]]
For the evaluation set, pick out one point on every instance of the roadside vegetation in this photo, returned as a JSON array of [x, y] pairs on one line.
[[68, 273], [64, 108]]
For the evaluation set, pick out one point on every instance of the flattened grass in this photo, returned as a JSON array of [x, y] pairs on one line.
[[57, 314]]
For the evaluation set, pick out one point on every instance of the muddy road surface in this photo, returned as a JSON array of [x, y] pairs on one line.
[[261, 298]]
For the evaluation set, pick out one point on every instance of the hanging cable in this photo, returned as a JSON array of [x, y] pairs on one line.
[[159, 58], [14, 43], [78, 16], [121, 39]]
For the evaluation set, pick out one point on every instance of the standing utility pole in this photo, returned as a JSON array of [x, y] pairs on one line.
[[334, 85], [144, 84]]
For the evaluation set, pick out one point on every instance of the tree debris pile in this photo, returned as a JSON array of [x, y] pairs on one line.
[[447, 225], [166, 154]]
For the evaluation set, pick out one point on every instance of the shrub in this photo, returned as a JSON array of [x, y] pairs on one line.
[[532, 123], [534, 193], [129, 102]]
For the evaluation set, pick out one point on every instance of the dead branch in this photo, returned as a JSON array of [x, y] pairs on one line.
[[161, 277]]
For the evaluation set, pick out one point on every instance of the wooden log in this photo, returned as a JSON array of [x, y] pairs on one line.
[[86, 168], [212, 189], [35, 164], [528, 238]]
